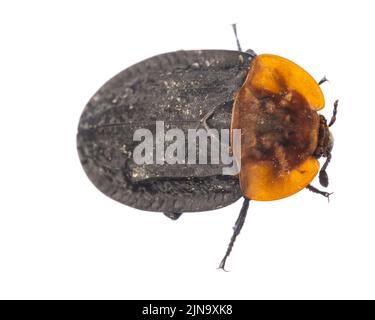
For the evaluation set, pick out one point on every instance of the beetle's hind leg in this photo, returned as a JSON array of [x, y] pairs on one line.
[[236, 231], [316, 190]]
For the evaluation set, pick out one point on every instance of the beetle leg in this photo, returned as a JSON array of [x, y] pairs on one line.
[[236, 231], [323, 176], [333, 119], [315, 190], [173, 215], [235, 34], [324, 79]]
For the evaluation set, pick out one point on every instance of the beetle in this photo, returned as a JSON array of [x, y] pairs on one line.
[[272, 100]]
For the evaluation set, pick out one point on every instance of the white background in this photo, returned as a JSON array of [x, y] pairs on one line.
[[61, 238]]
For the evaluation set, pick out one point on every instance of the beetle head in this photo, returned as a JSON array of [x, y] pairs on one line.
[[325, 140]]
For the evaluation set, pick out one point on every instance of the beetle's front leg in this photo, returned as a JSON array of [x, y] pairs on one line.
[[324, 79], [315, 190], [323, 176], [333, 118]]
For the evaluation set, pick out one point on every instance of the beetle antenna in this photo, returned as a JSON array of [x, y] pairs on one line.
[[236, 231], [333, 119], [323, 176], [234, 26]]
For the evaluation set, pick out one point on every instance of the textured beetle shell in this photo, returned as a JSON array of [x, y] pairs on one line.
[[178, 88]]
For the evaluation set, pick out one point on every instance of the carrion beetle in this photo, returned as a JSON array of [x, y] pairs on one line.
[[273, 101]]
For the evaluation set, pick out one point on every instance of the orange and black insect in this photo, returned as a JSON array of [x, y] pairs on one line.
[[273, 101]]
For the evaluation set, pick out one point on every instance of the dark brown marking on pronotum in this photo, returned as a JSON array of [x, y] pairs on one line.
[[281, 128]]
